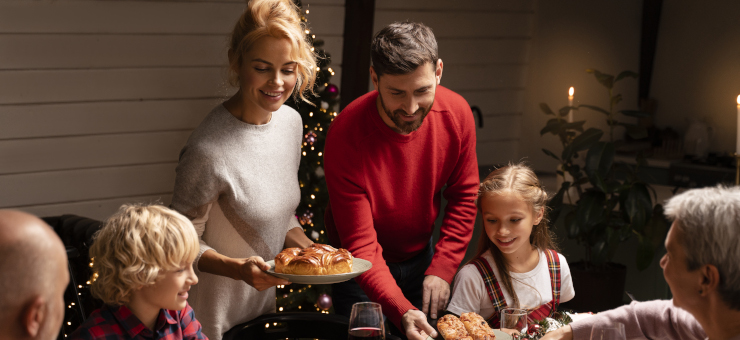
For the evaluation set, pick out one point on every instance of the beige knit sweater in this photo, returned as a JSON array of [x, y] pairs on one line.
[[238, 183]]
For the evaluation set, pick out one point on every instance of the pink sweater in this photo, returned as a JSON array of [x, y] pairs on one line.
[[385, 190], [657, 319]]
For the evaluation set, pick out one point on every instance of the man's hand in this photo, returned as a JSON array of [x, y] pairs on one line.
[[251, 271], [562, 333], [415, 325], [436, 294]]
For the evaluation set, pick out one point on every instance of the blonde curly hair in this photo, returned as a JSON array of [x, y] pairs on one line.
[[135, 246], [278, 19]]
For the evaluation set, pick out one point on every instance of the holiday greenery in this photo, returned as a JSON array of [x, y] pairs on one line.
[[316, 116], [538, 328]]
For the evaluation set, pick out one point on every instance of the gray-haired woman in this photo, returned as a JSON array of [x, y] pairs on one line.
[[702, 268]]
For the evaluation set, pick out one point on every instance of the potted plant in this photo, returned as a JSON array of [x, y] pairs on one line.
[[602, 202]]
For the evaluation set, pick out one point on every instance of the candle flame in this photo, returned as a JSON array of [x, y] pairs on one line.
[[738, 100], [570, 92]]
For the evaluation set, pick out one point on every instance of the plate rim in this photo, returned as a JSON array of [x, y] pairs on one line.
[[329, 279]]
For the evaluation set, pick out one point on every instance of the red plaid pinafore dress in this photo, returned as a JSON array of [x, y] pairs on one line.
[[497, 296]]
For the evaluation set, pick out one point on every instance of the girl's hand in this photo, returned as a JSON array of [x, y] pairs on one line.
[[251, 270]]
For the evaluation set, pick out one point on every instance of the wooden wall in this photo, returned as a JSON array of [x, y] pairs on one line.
[[485, 47], [98, 97]]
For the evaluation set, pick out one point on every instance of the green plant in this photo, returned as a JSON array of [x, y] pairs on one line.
[[603, 203]]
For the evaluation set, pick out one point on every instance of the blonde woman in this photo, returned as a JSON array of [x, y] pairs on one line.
[[237, 178]]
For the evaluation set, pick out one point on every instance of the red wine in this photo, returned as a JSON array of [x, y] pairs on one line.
[[366, 333]]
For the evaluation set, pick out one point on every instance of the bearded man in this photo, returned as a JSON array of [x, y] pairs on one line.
[[389, 157]]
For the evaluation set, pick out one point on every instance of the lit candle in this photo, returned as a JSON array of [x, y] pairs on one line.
[[737, 147], [570, 103]]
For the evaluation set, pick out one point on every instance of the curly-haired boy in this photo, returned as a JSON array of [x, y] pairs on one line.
[[143, 268]]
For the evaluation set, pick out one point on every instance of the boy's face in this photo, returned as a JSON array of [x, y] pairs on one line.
[[170, 291]]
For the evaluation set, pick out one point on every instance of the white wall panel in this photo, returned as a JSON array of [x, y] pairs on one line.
[[495, 102], [464, 24], [55, 51], [56, 187], [59, 86], [498, 128], [98, 97], [95, 209], [498, 152], [60, 153], [467, 5], [467, 51], [117, 17], [484, 77], [95, 118]]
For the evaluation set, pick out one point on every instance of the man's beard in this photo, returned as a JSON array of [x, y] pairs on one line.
[[403, 126]]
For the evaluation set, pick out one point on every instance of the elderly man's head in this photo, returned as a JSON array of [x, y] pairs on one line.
[[33, 277], [702, 246]]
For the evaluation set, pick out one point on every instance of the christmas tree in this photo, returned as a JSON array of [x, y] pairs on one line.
[[316, 116]]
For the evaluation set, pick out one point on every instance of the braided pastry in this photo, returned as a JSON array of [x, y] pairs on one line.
[[317, 259], [451, 328], [477, 327]]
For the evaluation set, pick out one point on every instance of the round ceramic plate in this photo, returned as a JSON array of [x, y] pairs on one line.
[[359, 266], [499, 336]]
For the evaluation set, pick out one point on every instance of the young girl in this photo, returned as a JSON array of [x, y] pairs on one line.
[[516, 265]]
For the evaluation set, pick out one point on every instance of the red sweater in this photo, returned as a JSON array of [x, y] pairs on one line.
[[385, 191]]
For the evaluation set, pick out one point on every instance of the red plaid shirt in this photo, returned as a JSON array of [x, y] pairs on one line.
[[118, 322]]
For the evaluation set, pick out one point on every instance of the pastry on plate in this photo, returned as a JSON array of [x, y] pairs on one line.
[[317, 259]]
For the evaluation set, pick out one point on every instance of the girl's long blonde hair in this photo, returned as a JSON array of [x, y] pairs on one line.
[[521, 180]]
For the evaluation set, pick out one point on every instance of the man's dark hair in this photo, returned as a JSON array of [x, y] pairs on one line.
[[401, 47]]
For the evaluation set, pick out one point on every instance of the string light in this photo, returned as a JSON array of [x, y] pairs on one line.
[[288, 299]]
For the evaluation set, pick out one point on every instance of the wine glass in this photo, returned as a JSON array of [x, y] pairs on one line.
[[366, 322], [614, 331], [516, 319]]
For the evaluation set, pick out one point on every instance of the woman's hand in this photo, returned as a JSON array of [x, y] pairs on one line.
[[251, 270], [562, 333], [513, 332]]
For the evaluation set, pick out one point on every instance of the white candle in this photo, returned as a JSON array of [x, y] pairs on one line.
[[737, 147], [570, 111]]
